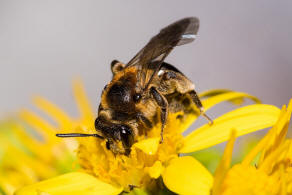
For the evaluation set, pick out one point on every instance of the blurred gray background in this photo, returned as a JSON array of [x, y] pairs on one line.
[[44, 45]]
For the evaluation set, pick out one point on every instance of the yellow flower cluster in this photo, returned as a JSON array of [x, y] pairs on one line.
[[272, 174], [28, 157], [151, 165]]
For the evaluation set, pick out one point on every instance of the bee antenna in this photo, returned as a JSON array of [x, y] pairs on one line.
[[65, 135]]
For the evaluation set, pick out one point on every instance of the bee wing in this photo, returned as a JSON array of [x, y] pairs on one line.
[[149, 59]]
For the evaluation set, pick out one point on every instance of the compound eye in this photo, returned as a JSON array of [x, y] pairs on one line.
[[137, 97]]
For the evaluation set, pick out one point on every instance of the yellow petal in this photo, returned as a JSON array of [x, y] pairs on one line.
[[279, 132], [283, 180], [56, 113], [245, 120], [155, 170], [213, 97], [71, 183], [257, 149], [34, 146], [223, 92], [274, 157], [83, 103], [19, 159], [214, 92], [186, 175], [224, 165], [267, 140], [43, 127], [148, 146], [228, 96]]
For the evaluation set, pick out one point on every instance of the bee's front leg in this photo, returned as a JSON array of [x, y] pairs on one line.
[[163, 104], [145, 121]]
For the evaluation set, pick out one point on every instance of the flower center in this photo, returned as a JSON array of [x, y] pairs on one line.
[[143, 165]]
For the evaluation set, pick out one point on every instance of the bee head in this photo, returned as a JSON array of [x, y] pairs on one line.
[[116, 132]]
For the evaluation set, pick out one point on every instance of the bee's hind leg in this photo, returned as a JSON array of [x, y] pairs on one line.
[[198, 103], [163, 104]]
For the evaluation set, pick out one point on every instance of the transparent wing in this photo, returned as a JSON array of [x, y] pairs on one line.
[[149, 59]]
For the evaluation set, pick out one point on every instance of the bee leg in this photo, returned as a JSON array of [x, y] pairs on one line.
[[132, 187], [146, 122], [163, 104], [108, 144], [198, 103]]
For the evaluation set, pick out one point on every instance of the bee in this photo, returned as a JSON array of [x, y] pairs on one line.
[[145, 90]]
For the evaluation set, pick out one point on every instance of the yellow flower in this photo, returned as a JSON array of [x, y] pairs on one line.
[[25, 159], [149, 162], [272, 174]]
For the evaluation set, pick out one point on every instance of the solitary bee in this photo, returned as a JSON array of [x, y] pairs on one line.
[[143, 91]]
